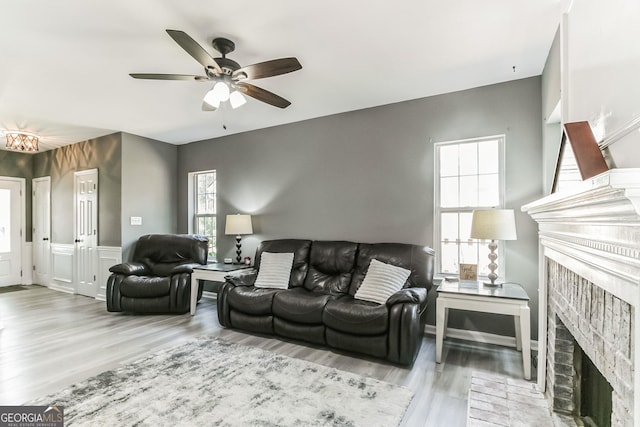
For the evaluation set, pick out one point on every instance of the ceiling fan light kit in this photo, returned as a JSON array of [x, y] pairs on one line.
[[236, 99], [228, 75]]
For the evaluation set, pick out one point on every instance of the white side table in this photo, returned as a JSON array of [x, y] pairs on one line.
[[215, 272], [510, 298]]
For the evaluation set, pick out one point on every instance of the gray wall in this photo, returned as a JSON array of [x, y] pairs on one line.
[[19, 165], [149, 188], [367, 176], [104, 154]]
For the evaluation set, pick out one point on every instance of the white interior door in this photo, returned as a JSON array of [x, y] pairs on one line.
[[86, 231], [41, 208], [10, 232]]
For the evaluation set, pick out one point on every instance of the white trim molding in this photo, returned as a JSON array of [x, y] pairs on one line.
[[107, 256], [595, 233], [27, 263]]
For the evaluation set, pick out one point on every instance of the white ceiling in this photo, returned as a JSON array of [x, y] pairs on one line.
[[66, 63]]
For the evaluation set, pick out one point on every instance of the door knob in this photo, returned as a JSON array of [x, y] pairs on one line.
[[45, 238], [78, 240]]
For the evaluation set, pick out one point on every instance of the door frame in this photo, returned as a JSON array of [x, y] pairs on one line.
[[22, 221], [35, 279]]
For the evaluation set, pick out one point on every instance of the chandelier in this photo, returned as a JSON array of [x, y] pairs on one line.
[[22, 141]]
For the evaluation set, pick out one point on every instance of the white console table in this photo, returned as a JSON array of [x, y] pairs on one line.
[[510, 299], [215, 272]]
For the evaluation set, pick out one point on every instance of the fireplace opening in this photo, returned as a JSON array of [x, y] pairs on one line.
[[593, 392]]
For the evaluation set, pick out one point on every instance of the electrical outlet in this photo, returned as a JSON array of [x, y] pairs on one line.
[[136, 220]]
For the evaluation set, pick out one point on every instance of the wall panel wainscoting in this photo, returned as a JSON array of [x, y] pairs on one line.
[[107, 256], [62, 267]]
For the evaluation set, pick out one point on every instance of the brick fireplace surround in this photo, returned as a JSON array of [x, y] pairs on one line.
[[590, 279]]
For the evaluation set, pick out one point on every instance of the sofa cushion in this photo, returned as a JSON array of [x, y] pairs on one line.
[[374, 345], [300, 249], [331, 266], [297, 331], [353, 316], [381, 281], [250, 300], [145, 286], [275, 270], [258, 324], [300, 305]]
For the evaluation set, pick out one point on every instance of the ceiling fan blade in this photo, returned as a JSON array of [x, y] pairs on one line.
[[271, 68], [262, 95], [168, 77], [208, 107], [194, 49]]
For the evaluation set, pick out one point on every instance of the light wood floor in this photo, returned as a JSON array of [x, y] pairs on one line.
[[51, 339]]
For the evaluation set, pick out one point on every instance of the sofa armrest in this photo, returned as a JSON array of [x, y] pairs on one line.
[[130, 269], [244, 277], [409, 295]]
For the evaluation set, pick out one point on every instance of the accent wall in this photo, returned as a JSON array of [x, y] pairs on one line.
[[367, 176]]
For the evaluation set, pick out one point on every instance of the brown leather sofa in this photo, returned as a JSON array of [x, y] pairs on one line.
[[319, 305], [158, 278]]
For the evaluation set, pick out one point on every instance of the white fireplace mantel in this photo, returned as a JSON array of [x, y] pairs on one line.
[[594, 232]]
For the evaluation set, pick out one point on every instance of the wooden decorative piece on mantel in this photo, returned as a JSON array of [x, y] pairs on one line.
[[587, 153]]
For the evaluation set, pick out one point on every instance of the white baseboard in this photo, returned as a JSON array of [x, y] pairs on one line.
[[59, 288], [480, 337], [209, 295]]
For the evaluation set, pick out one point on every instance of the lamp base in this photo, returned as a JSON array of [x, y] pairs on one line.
[[493, 284], [238, 250]]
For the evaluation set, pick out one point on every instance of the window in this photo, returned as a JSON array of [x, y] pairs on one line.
[[205, 207], [469, 174]]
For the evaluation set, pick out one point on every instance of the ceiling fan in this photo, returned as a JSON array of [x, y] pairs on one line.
[[229, 77]]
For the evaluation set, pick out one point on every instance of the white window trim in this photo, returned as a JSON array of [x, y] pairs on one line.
[[437, 210], [191, 198]]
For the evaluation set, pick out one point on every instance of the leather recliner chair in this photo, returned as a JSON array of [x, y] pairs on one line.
[[158, 278]]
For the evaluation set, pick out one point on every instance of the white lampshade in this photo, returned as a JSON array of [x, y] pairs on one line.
[[221, 90], [212, 99], [493, 224], [237, 99], [238, 224]]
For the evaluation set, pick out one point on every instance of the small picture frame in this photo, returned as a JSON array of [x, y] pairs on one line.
[[468, 271]]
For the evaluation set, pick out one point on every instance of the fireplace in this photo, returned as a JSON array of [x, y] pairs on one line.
[[589, 349], [589, 279]]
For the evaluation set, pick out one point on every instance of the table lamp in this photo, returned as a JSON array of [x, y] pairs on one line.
[[238, 224], [493, 224]]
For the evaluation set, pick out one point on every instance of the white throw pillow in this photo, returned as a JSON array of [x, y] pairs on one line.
[[275, 270], [381, 281]]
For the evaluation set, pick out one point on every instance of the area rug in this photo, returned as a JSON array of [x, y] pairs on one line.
[[211, 382]]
